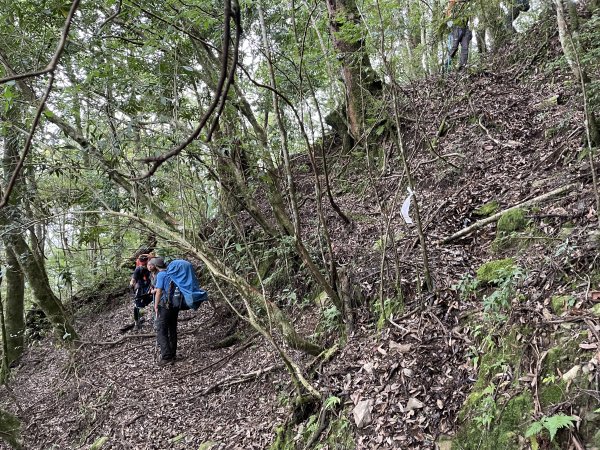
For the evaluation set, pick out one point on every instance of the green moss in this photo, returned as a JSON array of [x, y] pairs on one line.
[[506, 419], [444, 443], [470, 405], [552, 361], [560, 303], [596, 440], [493, 270], [589, 428], [504, 433], [563, 356], [551, 394], [487, 209], [513, 220], [516, 414], [10, 429], [340, 434], [595, 310], [284, 439], [509, 354]]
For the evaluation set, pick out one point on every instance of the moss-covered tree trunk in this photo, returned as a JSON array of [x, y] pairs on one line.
[[361, 82], [13, 232], [14, 314], [38, 280]]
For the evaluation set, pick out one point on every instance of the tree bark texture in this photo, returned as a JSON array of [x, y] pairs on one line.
[[38, 280], [14, 311], [360, 80]]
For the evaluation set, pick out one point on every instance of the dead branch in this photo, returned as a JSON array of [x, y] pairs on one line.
[[238, 379], [483, 222]]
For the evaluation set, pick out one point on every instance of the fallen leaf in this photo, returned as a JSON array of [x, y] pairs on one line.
[[413, 404], [546, 314], [400, 348], [362, 413], [571, 374]]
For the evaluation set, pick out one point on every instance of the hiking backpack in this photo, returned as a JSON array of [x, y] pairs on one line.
[[184, 289]]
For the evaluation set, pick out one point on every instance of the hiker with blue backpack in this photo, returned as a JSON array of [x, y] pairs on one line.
[[176, 288]]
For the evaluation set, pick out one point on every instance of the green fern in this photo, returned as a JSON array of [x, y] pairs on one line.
[[331, 402], [552, 424]]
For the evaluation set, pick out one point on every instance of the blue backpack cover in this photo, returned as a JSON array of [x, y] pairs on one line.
[[182, 274]]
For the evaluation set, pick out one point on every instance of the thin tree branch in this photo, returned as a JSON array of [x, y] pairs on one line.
[[51, 67], [230, 78], [111, 17], [159, 160], [15, 175]]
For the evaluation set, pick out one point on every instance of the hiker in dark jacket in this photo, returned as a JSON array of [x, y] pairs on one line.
[[460, 34], [140, 282], [166, 315]]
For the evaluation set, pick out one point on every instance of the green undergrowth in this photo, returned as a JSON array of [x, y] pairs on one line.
[[492, 271], [390, 307], [487, 209], [10, 429], [500, 411], [100, 295], [336, 434]]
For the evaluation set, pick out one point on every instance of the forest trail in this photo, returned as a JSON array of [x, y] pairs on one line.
[[499, 137], [111, 386]]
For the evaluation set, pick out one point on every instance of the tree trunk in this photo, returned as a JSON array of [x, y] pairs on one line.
[[4, 365], [13, 235], [14, 311], [569, 41], [38, 280], [361, 82]]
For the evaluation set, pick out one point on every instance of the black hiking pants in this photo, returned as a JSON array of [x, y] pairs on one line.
[[460, 36], [166, 331], [139, 302]]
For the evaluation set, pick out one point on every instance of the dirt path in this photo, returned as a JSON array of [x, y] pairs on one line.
[[68, 400]]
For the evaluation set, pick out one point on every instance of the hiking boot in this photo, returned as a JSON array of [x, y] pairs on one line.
[[164, 362]]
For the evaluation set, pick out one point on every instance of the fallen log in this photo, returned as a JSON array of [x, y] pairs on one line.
[[483, 222]]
